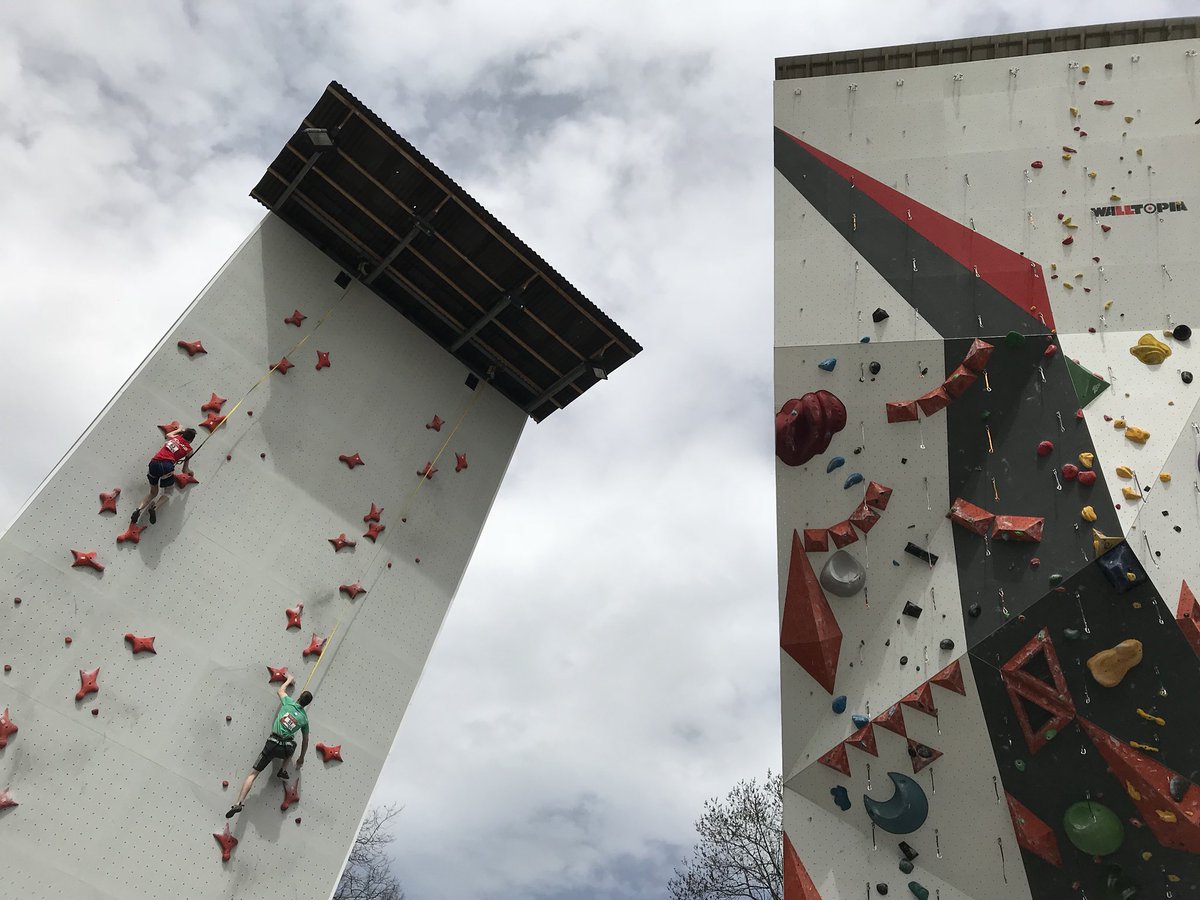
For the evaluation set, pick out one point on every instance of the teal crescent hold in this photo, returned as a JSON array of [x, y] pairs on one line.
[[905, 812]]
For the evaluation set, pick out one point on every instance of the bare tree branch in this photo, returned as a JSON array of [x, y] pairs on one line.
[[367, 875]]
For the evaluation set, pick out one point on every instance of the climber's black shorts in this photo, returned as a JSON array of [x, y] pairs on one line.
[[274, 749], [162, 473]]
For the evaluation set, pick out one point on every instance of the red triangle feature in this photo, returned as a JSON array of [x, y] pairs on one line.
[[1175, 823], [810, 634], [951, 678], [1188, 616], [922, 699], [1033, 834], [1021, 685], [837, 759], [922, 755], [797, 885], [877, 496], [892, 719], [863, 739]]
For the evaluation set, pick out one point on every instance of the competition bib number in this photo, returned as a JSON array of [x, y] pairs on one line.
[[289, 722]]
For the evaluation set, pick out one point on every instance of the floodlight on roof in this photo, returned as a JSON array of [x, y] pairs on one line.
[[599, 373], [318, 137]]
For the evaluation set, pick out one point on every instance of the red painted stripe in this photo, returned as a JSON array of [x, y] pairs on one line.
[[1013, 275]]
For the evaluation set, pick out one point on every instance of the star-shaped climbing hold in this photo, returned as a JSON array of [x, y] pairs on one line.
[[330, 753], [316, 645], [132, 533], [7, 727], [460, 461], [352, 461], [428, 472], [141, 644], [293, 615], [373, 515], [227, 842], [183, 479], [277, 674], [322, 360], [87, 683], [436, 424], [213, 405], [86, 558], [108, 500], [291, 793], [192, 347], [283, 365], [6, 800], [213, 422], [169, 427], [296, 318], [353, 590], [340, 541], [374, 530]]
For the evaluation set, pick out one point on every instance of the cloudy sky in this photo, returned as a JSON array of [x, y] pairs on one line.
[[611, 659]]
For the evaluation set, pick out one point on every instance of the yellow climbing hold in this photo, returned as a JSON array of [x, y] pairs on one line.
[[1066, 156], [1172, 878], [1150, 350], [1088, 514], [1118, 424], [1137, 435], [1086, 69], [1157, 720], [1135, 744], [1139, 151], [1074, 110], [1164, 477], [1165, 814], [1054, 267], [1067, 220], [1068, 286], [1124, 472], [1086, 459], [1078, 274], [1114, 197], [1108, 304], [1102, 543], [1131, 493], [1092, 173], [1128, 119], [1131, 577], [1146, 854], [1132, 791]]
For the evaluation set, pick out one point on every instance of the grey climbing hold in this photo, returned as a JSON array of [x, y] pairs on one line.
[[827, 363], [1185, 376], [835, 463], [918, 890], [852, 479], [923, 555], [1181, 333], [904, 660], [843, 575], [946, 644], [881, 889], [879, 315], [860, 721], [1178, 786], [839, 704], [911, 609], [874, 368], [974, 610], [841, 797]]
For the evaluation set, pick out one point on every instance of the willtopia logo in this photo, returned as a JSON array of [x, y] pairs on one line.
[[1136, 209]]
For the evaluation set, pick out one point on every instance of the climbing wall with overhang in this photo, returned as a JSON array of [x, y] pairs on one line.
[[347, 461], [988, 495]]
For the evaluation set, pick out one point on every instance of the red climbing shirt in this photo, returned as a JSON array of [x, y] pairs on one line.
[[174, 450]]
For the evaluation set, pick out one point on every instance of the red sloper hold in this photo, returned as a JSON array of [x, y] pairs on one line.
[[971, 517], [108, 500], [6, 800], [322, 360], [901, 411], [958, 381], [1033, 834], [374, 530], [227, 842], [921, 699], [291, 793], [1023, 686], [295, 318], [213, 405], [213, 422], [86, 558], [169, 427], [351, 462], [316, 645], [843, 535], [283, 365], [837, 759], [192, 347], [864, 740], [132, 533], [340, 541], [428, 472], [1175, 823], [293, 615], [460, 461], [805, 426], [919, 761], [353, 590], [373, 515], [278, 673], [436, 424], [810, 633], [87, 683], [140, 644], [797, 885], [183, 479], [935, 400], [978, 355], [951, 678], [877, 495], [7, 727], [892, 719], [863, 517], [1188, 616], [330, 752], [1018, 528], [816, 540]]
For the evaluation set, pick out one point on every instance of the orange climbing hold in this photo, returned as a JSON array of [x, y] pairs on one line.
[[277, 673], [373, 531], [428, 472], [108, 500], [132, 533], [315, 646], [341, 541], [86, 559], [227, 842], [323, 360], [140, 644], [291, 794], [213, 405], [293, 615], [436, 424], [87, 683], [7, 728], [330, 753], [374, 514], [460, 461], [351, 462], [295, 318], [192, 347], [352, 590]]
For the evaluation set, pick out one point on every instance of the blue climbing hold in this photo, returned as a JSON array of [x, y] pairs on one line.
[[859, 721], [828, 363], [841, 797], [865, 340], [835, 463], [852, 480], [839, 704]]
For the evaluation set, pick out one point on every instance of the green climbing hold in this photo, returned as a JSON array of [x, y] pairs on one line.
[[985, 415], [1055, 580], [1051, 733], [1019, 765], [1087, 386], [1014, 339], [1093, 828], [918, 890], [1071, 634], [906, 866]]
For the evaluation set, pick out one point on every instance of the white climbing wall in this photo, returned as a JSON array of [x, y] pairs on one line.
[[124, 803]]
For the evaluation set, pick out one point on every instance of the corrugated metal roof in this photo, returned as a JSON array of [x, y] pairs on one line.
[[395, 221]]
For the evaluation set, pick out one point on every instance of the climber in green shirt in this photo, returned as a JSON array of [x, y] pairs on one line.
[[280, 745]]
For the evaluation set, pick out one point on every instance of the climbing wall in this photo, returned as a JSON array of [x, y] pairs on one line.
[[121, 792], [988, 494]]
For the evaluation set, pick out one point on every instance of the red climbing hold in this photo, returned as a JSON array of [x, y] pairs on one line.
[[1018, 528], [330, 753], [864, 740], [322, 360], [892, 719], [1050, 350], [86, 558], [1106, 228], [224, 784], [6, 800], [1045, 448], [353, 590], [837, 759], [314, 646], [935, 400], [192, 347], [978, 355], [169, 427], [1087, 477], [901, 411], [921, 698], [283, 365], [227, 842], [878, 495], [436, 424], [293, 615], [352, 461], [843, 534], [1102, 102], [921, 759], [340, 541], [971, 517], [374, 530], [291, 794], [1067, 149], [213, 405], [1026, 687], [108, 500], [1068, 239], [951, 678], [1070, 471], [213, 422], [373, 515], [1036, 164], [816, 540], [183, 479], [141, 644], [1187, 614], [296, 318], [428, 472], [1033, 834], [804, 427], [958, 381], [7, 727], [863, 517], [460, 461], [277, 674], [87, 683], [810, 633]]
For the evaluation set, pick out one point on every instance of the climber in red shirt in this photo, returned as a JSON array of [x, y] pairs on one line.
[[178, 448]]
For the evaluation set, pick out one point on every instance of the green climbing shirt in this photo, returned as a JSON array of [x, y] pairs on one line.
[[290, 718]]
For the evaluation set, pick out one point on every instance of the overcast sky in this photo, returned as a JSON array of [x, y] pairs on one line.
[[611, 659]]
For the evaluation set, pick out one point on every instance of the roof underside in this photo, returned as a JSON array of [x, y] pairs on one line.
[[998, 46], [398, 223]]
